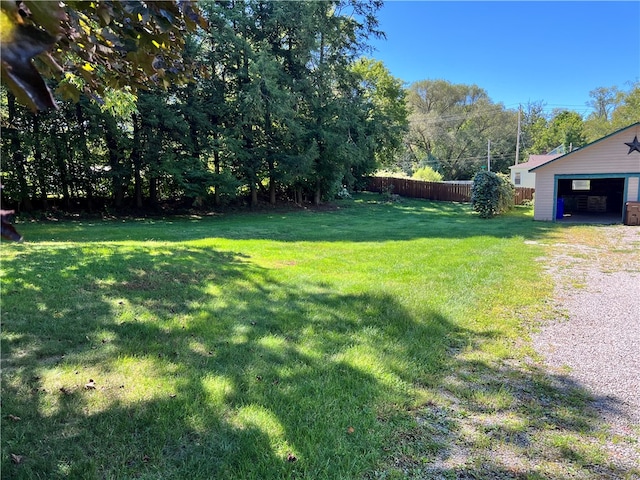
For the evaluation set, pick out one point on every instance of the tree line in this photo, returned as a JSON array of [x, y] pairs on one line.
[[280, 104], [264, 101], [450, 126]]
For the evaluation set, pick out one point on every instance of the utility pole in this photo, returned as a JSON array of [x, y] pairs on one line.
[[489, 155], [518, 137]]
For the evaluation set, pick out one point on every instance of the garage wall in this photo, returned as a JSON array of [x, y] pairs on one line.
[[545, 195], [633, 192]]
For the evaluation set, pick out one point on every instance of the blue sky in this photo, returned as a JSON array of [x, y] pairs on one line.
[[555, 52]]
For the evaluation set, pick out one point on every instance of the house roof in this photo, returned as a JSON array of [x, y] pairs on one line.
[[536, 160], [586, 146]]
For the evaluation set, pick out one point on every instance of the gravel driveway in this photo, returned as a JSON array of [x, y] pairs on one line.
[[596, 342]]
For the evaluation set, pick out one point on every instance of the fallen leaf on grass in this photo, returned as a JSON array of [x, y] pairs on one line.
[[14, 418], [350, 430], [91, 385], [17, 459], [291, 457]]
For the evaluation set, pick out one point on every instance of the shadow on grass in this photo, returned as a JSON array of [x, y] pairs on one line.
[[205, 365], [130, 362], [367, 219]]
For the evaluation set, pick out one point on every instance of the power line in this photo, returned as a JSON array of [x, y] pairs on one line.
[[453, 117], [549, 107]]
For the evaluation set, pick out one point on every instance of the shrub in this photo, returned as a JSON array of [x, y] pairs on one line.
[[427, 174], [507, 193], [492, 194]]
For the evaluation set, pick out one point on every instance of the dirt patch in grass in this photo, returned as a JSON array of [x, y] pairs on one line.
[[512, 421]]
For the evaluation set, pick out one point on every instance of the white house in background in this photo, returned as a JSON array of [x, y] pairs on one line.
[[520, 174], [597, 179]]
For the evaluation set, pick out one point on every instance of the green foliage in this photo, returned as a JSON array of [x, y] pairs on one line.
[[94, 45], [427, 174], [386, 108], [277, 104], [277, 107], [449, 126], [627, 111], [507, 193], [492, 194], [614, 109], [566, 129]]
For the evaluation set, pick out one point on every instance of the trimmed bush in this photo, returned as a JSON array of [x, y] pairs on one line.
[[492, 194]]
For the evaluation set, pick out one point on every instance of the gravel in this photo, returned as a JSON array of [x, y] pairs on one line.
[[596, 342]]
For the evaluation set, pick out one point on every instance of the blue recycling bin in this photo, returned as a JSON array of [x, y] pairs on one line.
[[560, 209]]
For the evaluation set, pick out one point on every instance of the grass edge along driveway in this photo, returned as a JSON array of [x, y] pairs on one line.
[[375, 340]]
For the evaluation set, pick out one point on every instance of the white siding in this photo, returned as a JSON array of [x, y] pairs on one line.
[[543, 206], [607, 156], [633, 192], [527, 179]]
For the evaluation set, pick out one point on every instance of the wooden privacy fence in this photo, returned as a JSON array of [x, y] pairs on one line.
[[523, 195], [442, 191]]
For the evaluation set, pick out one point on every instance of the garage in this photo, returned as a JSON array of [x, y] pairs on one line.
[[592, 184], [590, 198]]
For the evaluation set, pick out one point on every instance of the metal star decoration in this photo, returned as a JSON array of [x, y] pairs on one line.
[[633, 146]]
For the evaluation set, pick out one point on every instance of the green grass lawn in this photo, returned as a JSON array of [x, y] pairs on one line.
[[346, 343]]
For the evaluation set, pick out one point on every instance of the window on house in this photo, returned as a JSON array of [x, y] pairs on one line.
[[581, 184], [517, 179]]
